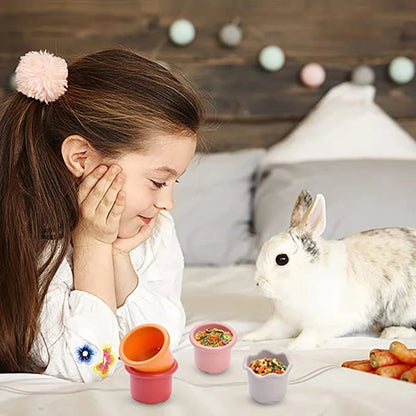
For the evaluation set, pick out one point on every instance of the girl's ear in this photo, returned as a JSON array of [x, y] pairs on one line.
[[303, 202], [77, 153], [314, 220]]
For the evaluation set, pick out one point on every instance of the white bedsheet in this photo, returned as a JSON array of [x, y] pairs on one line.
[[228, 295]]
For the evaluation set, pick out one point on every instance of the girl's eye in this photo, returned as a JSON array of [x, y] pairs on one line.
[[159, 184]]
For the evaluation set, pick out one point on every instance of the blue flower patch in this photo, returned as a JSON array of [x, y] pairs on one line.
[[85, 354]]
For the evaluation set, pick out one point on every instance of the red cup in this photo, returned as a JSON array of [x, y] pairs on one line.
[[151, 388]]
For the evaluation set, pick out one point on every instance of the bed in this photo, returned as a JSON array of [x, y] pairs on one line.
[[227, 294], [228, 204]]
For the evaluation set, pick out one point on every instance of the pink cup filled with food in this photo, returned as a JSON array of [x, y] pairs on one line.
[[212, 343]]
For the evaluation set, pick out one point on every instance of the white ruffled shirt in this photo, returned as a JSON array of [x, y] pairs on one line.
[[81, 332]]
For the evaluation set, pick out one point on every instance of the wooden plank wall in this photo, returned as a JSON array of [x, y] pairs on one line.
[[248, 106]]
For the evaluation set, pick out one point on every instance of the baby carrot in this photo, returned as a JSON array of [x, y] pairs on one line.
[[373, 351], [393, 371], [403, 353], [360, 365], [409, 375], [383, 358]]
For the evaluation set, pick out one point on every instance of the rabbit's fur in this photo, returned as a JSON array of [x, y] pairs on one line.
[[330, 288]]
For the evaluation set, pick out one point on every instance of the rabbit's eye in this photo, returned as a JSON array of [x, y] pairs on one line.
[[282, 259]]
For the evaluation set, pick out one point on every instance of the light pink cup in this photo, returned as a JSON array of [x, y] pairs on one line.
[[212, 360]]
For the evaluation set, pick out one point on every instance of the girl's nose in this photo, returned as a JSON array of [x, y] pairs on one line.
[[165, 200]]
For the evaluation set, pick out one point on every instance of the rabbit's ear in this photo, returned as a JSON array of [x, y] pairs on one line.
[[302, 204], [314, 221]]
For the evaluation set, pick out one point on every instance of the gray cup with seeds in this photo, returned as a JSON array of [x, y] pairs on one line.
[[270, 388]]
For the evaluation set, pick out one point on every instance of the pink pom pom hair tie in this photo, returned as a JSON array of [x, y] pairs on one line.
[[42, 76]]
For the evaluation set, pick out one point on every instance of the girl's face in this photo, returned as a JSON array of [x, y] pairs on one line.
[[150, 178]]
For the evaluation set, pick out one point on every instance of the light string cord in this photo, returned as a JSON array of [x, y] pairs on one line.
[[186, 5]]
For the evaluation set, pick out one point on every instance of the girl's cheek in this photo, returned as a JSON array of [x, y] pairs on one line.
[[137, 203]]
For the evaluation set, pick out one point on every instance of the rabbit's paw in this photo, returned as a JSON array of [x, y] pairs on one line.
[[255, 336], [303, 343], [397, 332]]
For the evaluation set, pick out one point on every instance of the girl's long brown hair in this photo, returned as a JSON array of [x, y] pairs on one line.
[[115, 99]]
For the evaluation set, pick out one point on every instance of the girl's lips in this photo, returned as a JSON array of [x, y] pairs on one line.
[[146, 220]]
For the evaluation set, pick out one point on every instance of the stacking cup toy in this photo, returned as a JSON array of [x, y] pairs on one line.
[[213, 360], [146, 348], [270, 388], [147, 357], [151, 388]]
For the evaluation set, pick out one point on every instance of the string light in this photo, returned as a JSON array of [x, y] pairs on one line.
[[313, 75], [363, 75], [401, 70], [272, 58], [231, 35], [182, 32]]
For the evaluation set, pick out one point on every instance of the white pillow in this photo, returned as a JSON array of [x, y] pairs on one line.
[[212, 211], [345, 124]]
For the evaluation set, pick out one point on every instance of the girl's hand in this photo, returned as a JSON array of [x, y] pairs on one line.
[[101, 203], [123, 246]]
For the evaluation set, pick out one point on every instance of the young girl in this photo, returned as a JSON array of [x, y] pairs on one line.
[[89, 155]]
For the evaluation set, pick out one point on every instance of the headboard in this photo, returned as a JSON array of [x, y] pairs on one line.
[[247, 106]]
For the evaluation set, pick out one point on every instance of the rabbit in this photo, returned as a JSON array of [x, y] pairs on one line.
[[322, 289]]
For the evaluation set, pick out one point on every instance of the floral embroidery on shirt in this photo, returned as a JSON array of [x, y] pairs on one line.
[[85, 354], [109, 359]]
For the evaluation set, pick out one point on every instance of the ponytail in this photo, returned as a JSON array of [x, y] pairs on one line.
[[35, 216]]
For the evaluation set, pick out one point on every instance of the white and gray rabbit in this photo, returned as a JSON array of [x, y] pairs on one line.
[[328, 288]]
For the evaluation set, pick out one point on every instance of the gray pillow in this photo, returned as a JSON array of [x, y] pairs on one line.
[[213, 204], [359, 194]]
